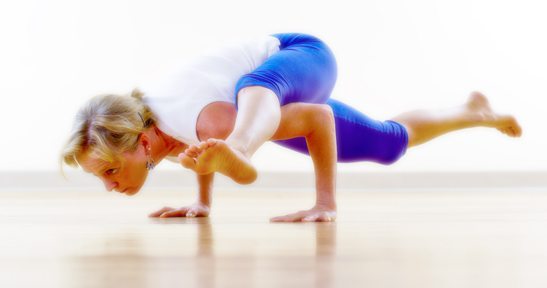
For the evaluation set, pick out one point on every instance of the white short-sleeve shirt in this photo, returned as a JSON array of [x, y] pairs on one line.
[[177, 98]]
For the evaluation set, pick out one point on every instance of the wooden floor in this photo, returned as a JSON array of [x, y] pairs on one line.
[[466, 238]]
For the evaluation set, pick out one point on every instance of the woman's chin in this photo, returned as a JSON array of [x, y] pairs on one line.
[[131, 191]]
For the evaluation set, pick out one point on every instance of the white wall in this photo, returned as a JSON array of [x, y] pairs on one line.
[[393, 56]]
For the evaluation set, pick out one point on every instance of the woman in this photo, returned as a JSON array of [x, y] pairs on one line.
[[282, 84]]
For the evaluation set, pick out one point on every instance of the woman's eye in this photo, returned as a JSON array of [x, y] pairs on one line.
[[111, 171]]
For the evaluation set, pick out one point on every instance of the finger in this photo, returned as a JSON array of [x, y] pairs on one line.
[[191, 213], [197, 212], [325, 218], [294, 217], [311, 218], [280, 219], [159, 212], [174, 213]]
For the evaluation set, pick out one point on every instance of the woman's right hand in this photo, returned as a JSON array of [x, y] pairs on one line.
[[194, 210]]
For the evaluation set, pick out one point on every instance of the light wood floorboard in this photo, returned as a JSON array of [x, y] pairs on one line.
[[420, 238]]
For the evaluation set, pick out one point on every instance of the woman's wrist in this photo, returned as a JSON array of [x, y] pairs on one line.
[[325, 205], [206, 203]]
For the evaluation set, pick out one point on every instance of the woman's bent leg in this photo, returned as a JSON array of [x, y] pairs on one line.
[[257, 120], [303, 70]]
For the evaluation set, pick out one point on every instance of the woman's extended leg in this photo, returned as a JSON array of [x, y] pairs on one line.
[[424, 125], [361, 138]]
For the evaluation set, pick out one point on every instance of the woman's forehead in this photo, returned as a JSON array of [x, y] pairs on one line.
[[91, 164]]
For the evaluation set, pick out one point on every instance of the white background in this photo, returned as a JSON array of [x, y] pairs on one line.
[[393, 56]]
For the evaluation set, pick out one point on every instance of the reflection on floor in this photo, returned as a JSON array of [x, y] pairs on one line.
[[466, 238]]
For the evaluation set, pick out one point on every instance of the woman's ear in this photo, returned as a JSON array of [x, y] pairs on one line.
[[144, 140]]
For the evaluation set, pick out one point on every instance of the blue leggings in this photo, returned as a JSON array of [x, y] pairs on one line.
[[304, 70]]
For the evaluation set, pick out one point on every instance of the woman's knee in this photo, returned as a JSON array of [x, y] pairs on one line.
[[254, 95]]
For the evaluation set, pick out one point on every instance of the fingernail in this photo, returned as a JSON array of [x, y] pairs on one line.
[[190, 214]]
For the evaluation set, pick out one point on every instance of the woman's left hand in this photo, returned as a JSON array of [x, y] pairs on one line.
[[315, 214]]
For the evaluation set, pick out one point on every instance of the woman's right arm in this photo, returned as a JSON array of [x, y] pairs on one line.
[[215, 121], [205, 189]]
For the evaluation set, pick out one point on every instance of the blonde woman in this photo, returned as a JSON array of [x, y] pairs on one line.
[[213, 114]]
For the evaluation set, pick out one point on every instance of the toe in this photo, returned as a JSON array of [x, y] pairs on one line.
[[203, 145], [191, 153], [187, 162], [518, 130], [212, 142], [194, 149]]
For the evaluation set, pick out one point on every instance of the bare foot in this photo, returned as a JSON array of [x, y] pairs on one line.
[[478, 104], [215, 155]]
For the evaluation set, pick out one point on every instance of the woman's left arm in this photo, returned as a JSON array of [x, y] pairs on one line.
[[316, 123]]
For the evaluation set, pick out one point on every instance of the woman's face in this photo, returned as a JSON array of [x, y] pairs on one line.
[[126, 175]]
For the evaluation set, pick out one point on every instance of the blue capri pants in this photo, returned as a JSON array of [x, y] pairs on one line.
[[304, 70]]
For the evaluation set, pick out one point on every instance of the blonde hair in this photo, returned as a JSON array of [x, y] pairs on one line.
[[106, 126]]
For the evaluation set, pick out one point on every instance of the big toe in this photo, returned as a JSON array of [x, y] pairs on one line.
[[511, 124], [518, 130], [186, 161]]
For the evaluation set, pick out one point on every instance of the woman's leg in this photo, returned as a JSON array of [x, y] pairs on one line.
[[425, 125], [304, 70], [256, 122], [257, 119], [361, 138]]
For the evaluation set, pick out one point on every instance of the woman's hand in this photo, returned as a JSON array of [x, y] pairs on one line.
[[315, 214], [194, 210]]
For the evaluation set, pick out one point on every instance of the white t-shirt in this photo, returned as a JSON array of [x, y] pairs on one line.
[[177, 99]]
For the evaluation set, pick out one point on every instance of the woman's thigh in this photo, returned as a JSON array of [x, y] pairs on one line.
[[304, 70]]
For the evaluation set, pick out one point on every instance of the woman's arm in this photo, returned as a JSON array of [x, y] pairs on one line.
[[215, 121], [205, 183], [315, 122]]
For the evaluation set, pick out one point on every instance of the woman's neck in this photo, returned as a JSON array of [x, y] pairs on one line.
[[164, 145]]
